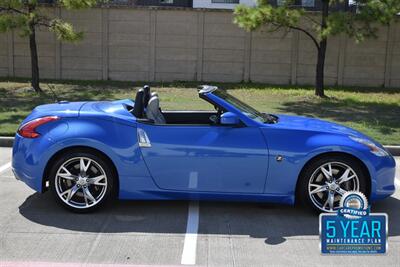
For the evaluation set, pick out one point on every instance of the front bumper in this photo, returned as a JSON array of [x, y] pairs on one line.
[[383, 181], [16, 175]]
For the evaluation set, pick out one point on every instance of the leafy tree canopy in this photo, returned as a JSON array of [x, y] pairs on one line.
[[360, 22], [22, 14]]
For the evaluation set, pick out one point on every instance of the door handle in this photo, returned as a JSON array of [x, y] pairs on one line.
[[143, 139]]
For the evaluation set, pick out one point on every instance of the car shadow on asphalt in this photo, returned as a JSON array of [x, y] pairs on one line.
[[272, 222]]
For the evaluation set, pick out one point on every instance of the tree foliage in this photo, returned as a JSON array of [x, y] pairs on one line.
[[360, 21], [25, 16], [19, 14]]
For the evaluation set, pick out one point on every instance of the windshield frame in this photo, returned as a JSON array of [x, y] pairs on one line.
[[241, 106]]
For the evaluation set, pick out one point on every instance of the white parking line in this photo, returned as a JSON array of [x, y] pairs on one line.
[[68, 264], [397, 181], [5, 167], [190, 246]]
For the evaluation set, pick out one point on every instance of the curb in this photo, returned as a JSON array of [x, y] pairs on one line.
[[394, 150], [8, 142]]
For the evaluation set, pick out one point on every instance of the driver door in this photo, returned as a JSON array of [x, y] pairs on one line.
[[205, 158]]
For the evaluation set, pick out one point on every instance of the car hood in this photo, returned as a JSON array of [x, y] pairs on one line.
[[312, 124]]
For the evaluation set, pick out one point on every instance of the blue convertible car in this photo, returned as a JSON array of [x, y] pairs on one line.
[[86, 152]]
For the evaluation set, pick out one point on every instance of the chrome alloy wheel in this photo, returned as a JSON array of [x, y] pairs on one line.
[[329, 182], [81, 182]]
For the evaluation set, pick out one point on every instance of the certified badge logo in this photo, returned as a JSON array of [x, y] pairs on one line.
[[353, 205], [353, 229]]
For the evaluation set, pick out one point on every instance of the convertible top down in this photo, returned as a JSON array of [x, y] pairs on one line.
[[86, 152]]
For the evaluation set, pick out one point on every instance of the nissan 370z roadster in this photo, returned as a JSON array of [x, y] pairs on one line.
[[85, 153]]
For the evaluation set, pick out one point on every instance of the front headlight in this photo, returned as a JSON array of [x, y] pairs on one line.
[[380, 152]]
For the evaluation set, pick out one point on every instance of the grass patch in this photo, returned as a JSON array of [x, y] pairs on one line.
[[374, 111]]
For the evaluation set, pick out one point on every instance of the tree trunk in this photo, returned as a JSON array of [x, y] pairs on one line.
[[34, 59], [319, 79]]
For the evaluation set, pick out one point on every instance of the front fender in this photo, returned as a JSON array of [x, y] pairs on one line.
[[297, 147]]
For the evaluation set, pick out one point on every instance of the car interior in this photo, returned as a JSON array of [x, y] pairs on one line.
[[147, 109]]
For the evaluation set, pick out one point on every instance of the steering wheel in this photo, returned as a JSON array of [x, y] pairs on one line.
[[214, 119]]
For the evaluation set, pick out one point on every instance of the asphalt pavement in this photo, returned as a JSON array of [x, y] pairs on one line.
[[35, 231]]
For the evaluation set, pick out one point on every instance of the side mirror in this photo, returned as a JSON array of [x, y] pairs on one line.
[[229, 118]]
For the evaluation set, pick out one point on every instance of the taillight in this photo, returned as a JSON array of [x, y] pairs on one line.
[[28, 130]]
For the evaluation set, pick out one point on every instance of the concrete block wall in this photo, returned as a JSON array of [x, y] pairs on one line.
[[365, 62], [175, 44], [271, 57], [4, 59], [128, 41], [83, 59], [223, 48], [139, 44], [392, 77]]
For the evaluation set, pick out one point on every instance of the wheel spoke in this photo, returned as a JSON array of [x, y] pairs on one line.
[[346, 176], [84, 167], [97, 180], [88, 195], [341, 191], [66, 174], [68, 177], [326, 203], [70, 192], [86, 199], [318, 189], [327, 173], [331, 200]]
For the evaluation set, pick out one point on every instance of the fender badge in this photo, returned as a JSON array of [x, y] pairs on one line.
[[279, 158]]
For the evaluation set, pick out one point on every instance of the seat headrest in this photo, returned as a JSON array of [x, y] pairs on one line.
[[153, 111], [154, 102], [138, 108], [146, 97]]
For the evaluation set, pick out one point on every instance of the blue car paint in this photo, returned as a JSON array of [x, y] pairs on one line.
[[194, 162], [314, 143], [206, 158]]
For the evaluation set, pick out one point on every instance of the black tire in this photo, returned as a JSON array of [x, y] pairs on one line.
[[100, 163], [303, 192]]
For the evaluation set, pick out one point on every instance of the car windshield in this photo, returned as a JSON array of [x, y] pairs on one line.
[[249, 111]]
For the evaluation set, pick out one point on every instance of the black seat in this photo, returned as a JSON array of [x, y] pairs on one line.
[[153, 111], [138, 108]]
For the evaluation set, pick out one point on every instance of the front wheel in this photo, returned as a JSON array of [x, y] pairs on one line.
[[325, 180], [81, 181]]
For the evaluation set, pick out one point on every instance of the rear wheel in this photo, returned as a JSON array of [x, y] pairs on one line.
[[81, 181], [325, 180]]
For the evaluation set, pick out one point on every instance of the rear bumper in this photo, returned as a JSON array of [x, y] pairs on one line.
[[33, 183], [29, 160]]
